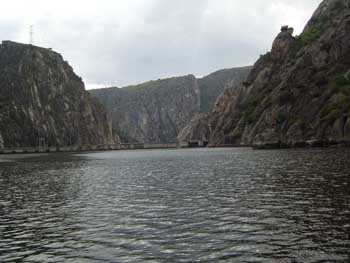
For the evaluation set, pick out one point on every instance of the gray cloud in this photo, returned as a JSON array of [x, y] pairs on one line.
[[127, 42]]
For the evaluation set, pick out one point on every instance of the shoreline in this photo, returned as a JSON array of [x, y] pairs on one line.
[[170, 146], [79, 149]]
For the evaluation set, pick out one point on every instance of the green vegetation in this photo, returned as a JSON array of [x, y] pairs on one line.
[[313, 33], [249, 113], [253, 107], [341, 84], [343, 79], [335, 110]]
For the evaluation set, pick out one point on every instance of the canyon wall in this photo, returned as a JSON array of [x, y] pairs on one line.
[[43, 101], [157, 111], [297, 94]]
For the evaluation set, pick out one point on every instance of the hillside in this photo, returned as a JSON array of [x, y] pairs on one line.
[[153, 111], [156, 111], [212, 86], [298, 93], [41, 98]]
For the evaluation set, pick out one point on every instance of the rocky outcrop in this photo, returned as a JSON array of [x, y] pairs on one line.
[[202, 126], [196, 130], [212, 86], [297, 94], [43, 101], [157, 111]]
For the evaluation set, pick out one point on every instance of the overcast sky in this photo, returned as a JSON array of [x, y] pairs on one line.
[[122, 42]]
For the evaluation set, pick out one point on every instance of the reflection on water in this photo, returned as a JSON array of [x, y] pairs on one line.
[[208, 205]]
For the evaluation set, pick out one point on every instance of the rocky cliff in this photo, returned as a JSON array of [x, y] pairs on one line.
[[151, 112], [156, 111], [212, 86], [297, 94], [42, 99]]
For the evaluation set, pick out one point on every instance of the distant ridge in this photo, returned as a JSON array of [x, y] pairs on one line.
[[156, 111]]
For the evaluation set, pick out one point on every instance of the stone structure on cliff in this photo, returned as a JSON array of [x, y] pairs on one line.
[[295, 95], [157, 111], [41, 98]]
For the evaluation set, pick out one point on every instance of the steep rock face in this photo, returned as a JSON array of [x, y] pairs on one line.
[[196, 129], [42, 98], [219, 121], [152, 112], [298, 93], [157, 111], [213, 85]]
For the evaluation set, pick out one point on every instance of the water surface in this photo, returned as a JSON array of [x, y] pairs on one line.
[[205, 205]]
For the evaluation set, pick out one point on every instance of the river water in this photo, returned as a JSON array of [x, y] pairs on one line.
[[204, 205]]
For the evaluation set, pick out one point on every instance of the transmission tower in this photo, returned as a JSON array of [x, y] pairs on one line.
[[31, 35]]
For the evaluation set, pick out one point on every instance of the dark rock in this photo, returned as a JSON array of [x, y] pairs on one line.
[[153, 112], [197, 129], [213, 85], [157, 111], [299, 93], [347, 130], [43, 99]]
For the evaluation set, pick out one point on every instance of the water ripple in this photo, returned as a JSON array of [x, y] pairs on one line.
[[216, 205]]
